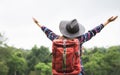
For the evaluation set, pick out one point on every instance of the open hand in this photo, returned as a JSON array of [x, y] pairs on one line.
[[36, 22], [112, 18]]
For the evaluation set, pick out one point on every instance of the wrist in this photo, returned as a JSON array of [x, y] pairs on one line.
[[106, 23]]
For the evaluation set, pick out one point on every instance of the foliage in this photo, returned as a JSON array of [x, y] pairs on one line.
[[3, 68], [37, 55], [43, 69], [101, 61], [37, 61], [17, 65]]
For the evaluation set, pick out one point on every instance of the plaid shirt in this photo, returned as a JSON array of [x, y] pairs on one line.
[[83, 38]]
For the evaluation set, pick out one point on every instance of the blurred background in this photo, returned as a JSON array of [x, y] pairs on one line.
[[17, 25], [25, 49]]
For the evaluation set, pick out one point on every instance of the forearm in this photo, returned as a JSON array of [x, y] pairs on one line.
[[49, 33], [87, 36], [105, 23], [38, 25]]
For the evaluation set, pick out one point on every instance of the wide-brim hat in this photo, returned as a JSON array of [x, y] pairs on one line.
[[71, 29]]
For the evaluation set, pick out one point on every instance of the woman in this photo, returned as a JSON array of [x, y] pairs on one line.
[[73, 29]]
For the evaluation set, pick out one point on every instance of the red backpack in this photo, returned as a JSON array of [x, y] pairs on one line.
[[66, 57]]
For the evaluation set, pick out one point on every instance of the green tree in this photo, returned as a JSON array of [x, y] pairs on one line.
[[101, 61], [113, 59], [3, 68], [5, 54], [43, 69], [17, 65], [37, 55]]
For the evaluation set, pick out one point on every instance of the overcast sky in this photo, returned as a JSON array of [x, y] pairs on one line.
[[17, 24]]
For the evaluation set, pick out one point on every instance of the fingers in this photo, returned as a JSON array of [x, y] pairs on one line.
[[34, 20], [113, 18]]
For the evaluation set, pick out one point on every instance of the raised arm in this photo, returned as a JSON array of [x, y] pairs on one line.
[[87, 36], [49, 33], [111, 19]]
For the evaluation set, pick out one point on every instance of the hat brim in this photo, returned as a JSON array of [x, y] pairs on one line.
[[63, 30]]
